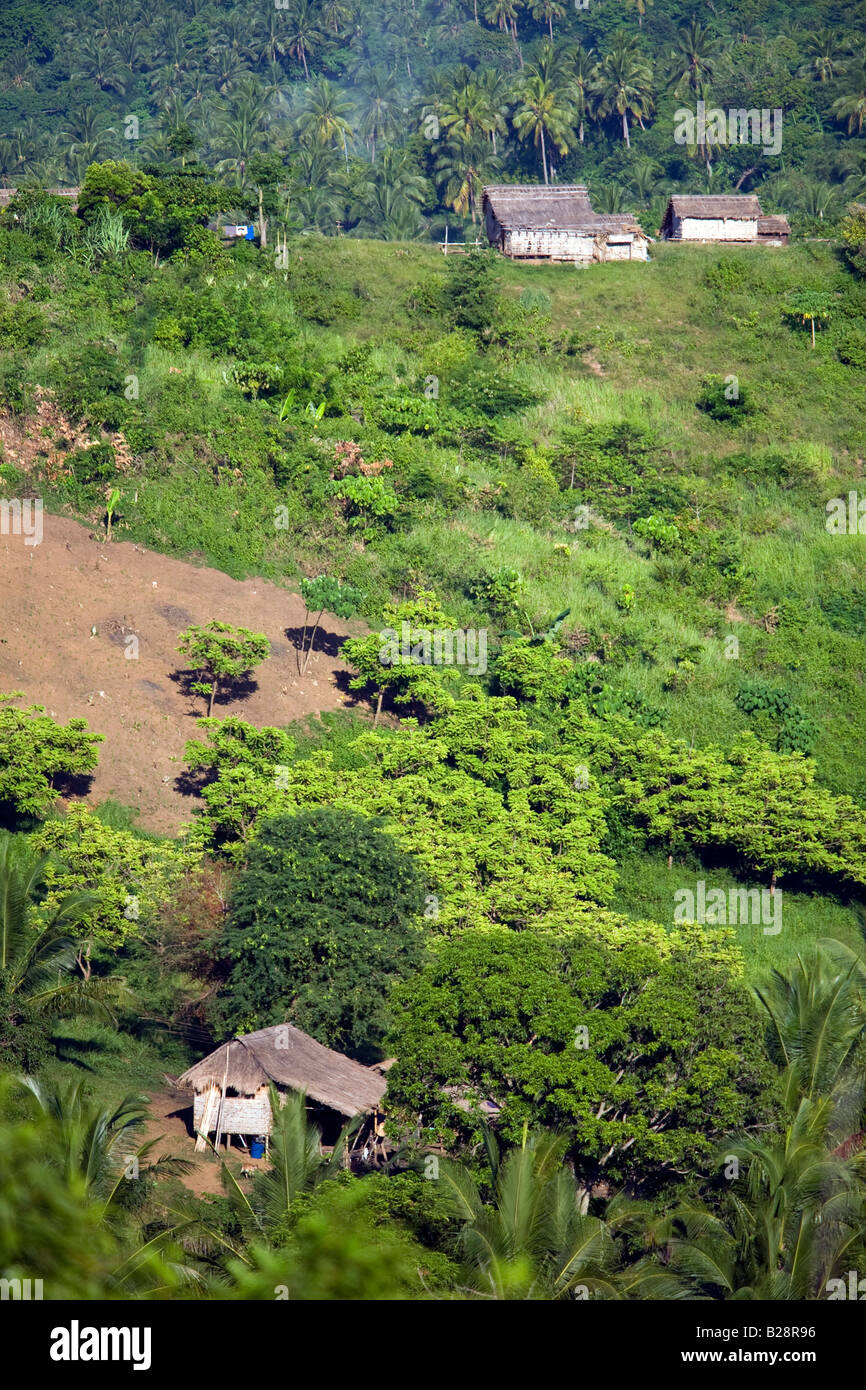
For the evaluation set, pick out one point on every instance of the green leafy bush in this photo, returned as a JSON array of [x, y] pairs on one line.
[[726, 400]]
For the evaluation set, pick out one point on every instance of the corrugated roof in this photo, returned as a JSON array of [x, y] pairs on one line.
[[715, 205], [287, 1056]]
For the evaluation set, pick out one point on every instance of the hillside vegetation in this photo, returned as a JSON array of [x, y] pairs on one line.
[[607, 491]]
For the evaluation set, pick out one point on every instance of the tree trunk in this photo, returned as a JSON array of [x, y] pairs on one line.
[[304, 61], [812, 321], [773, 883], [213, 695], [263, 226], [378, 707], [580, 131], [625, 130], [303, 644], [544, 156], [312, 640]]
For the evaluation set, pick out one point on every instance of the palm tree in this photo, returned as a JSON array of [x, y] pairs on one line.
[[269, 35], [503, 13], [625, 83], [817, 1016], [692, 61], [543, 113], [98, 1142], [379, 108], [823, 48], [610, 198], [494, 89], [797, 1213], [584, 79], [17, 72], [132, 47], [303, 34], [852, 106], [548, 10], [644, 173], [97, 63], [241, 128], [533, 1240], [297, 1166], [322, 115], [387, 202], [39, 952], [390, 217], [336, 14], [227, 70], [461, 167], [313, 199], [90, 139]]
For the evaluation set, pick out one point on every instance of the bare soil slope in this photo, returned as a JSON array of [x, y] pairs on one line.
[[53, 594]]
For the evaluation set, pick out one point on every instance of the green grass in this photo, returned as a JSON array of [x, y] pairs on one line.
[[646, 892]]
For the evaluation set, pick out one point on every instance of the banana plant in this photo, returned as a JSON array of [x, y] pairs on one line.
[[537, 637], [110, 508]]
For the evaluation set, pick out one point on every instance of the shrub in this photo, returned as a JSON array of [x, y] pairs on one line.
[[94, 465], [90, 385], [724, 400], [852, 348]]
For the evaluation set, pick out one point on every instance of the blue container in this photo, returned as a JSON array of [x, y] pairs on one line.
[[257, 1149]]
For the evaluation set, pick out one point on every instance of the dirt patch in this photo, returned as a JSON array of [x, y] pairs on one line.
[[124, 678], [171, 1125]]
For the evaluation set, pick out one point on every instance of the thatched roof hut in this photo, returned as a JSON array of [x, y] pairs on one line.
[[231, 1086], [721, 217], [557, 222]]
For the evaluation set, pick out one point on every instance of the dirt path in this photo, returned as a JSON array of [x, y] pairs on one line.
[[53, 594]]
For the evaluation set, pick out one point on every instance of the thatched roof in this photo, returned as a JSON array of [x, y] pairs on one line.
[[290, 1058], [564, 207], [774, 225], [714, 205]]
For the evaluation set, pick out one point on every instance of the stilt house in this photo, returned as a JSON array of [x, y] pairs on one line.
[[231, 1087]]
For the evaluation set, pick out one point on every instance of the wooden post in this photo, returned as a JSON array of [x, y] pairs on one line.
[[201, 1137], [222, 1100]]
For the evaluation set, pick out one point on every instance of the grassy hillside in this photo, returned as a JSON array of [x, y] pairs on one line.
[[595, 376], [367, 327]]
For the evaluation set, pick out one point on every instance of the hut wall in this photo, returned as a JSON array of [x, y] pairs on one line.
[[632, 248], [240, 1114], [492, 226], [715, 228], [549, 243]]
